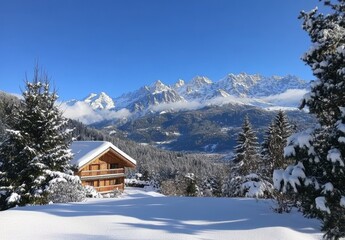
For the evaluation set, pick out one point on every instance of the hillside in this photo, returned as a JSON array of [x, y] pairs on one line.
[[147, 215], [211, 129]]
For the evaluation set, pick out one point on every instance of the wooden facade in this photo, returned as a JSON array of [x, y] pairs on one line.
[[106, 171]]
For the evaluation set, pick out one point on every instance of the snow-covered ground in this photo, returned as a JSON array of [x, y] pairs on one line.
[[147, 215]]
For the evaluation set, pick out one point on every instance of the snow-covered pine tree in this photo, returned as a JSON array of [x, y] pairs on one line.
[[319, 173], [35, 152], [272, 154], [275, 140], [243, 180], [266, 158], [246, 151]]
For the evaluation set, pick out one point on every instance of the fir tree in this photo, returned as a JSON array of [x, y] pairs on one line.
[[243, 180], [274, 143], [266, 149], [246, 151], [35, 151], [319, 173]]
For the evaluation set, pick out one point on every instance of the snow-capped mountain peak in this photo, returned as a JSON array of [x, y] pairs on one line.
[[200, 81], [100, 101], [242, 79], [159, 87], [148, 96], [245, 85], [199, 87], [179, 83], [90, 97]]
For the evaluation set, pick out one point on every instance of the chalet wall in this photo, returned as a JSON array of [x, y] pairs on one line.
[[104, 173]]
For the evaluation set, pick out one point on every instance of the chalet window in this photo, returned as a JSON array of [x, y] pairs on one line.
[[114, 165]]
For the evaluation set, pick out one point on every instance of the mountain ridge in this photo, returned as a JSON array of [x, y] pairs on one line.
[[200, 89]]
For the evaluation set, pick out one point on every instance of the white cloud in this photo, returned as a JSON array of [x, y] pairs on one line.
[[176, 106], [289, 98], [286, 99], [84, 113], [229, 99], [122, 113], [194, 105]]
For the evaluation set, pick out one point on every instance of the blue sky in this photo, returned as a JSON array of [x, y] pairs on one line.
[[117, 46]]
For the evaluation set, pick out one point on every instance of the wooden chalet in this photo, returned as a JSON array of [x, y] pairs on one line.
[[101, 164]]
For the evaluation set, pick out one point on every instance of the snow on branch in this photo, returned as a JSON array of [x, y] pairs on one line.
[[291, 176], [341, 127], [334, 156], [14, 198], [14, 132], [342, 202], [255, 187], [328, 187], [302, 140], [321, 204], [58, 176]]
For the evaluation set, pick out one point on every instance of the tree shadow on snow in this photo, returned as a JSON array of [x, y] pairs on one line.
[[185, 215]]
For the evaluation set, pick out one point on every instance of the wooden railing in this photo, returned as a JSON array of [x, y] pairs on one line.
[[102, 172], [109, 188]]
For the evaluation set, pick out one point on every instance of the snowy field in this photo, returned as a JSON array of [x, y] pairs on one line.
[[148, 215]]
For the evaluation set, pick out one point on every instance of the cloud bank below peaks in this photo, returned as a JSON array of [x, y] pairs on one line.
[[289, 98], [84, 113]]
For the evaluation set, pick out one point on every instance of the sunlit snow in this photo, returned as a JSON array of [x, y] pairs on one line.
[[149, 216]]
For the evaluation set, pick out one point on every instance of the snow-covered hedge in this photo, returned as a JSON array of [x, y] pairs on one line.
[[66, 191]]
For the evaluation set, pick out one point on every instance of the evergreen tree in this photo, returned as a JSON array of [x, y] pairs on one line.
[[191, 189], [35, 151], [274, 143], [266, 149], [246, 151], [319, 173], [243, 180]]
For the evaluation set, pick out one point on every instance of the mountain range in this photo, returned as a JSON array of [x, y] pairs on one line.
[[241, 88], [199, 115]]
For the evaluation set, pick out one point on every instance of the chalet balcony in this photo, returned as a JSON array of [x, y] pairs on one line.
[[104, 189], [102, 174]]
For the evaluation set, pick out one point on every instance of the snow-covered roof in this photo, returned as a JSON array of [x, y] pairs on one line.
[[85, 151]]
